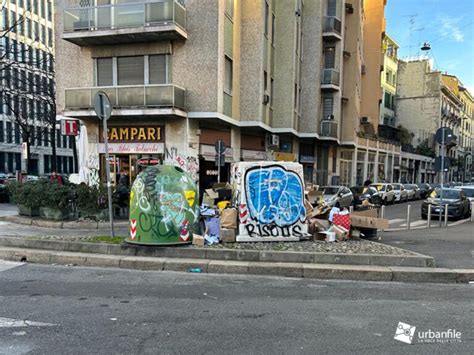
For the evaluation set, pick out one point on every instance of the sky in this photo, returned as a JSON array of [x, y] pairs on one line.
[[446, 24]]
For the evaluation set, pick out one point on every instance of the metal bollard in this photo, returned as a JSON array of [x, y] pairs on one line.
[[472, 211], [351, 209], [445, 215], [429, 216], [408, 216], [382, 212]]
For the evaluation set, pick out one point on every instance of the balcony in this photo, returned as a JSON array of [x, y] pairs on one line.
[[332, 28], [328, 129], [389, 133], [125, 23], [136, 100], [330, 80]]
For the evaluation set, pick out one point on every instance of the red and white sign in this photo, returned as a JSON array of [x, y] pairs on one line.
[[133, 229], [69, 127]]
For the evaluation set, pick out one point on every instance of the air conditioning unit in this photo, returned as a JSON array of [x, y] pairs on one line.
[[349, 9], [363, 69], [273, 140], [329, 118], [365, 120], [266, 99]]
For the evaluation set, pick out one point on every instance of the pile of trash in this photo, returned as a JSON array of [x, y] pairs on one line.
[[334, 224], [218, 216]]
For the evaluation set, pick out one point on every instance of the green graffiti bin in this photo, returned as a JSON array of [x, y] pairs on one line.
[[163, 207]]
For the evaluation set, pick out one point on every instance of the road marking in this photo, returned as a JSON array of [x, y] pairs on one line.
[[398, 220], [6, 265], [17, 323]]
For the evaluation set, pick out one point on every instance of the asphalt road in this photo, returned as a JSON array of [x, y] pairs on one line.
[[94, 311], [451, 247]]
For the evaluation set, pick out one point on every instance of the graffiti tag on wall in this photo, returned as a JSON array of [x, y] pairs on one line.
[[271, 201], [189, 164]]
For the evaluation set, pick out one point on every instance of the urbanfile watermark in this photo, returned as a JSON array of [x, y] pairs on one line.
[[406, 333]]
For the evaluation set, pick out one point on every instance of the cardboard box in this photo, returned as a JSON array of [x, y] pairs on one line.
[[308, 206], [369, 222], [319, 236], [355, 233], [320, 224], [341, 233], [373, 212], [314, 197], [227, 235], [198, 240]]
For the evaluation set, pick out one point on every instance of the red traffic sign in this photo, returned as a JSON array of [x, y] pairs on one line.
[[69, 127]]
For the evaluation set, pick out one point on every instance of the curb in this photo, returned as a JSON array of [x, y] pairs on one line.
[[38, 222], [300, 270], [415, 260]]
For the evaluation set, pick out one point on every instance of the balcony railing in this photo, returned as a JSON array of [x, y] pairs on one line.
[[330, 77], [332, 26], [328, 128], [124, 16], [129, 97]]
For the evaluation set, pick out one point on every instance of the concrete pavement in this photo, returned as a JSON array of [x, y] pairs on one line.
[[108, 311]]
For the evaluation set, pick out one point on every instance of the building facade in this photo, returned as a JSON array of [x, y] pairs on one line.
[[389, 82], [267, 77], [426, 101], [27, 51]]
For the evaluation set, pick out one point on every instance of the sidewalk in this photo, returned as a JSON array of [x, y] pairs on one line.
[[451, 247]]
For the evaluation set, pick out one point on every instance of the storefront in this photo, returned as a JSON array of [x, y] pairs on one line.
[[132, 148]]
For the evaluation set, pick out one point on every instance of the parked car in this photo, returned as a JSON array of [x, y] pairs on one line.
[[469, 192], [386, 191], [400, 193], [3, 178], [337, 196], [369, 193], [413, 191], [458, 204], [4, 194], [425, 190]]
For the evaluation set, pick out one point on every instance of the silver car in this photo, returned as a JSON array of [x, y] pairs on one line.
[[337, 196]]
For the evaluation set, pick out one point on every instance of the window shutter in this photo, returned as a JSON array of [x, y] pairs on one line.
[[131, 70], [104, 72], [157, 68]]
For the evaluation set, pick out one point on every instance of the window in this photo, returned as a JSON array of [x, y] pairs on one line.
[[265, 80], [9, 132], [273, 29], [329, 57], [327, 106], [130, 71], [157, 69], [104, 72], [267, 14], [17, 133], [228, 84], [2, 136], [271, 92], [332, 8]]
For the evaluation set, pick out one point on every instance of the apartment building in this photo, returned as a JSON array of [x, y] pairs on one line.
[[467, 134], [265, 76], [364, 154], [428, 100], [27, 52], [389, 81]]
